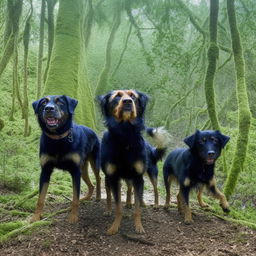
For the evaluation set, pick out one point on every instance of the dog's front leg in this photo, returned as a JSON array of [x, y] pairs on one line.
[[116, 190], [109, 197], [43, 187], [76, 180], [217, 194], [128, 194], [184, 197], [199, 197], [138, 195]]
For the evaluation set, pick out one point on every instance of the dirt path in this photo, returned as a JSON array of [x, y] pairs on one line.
[[166, 234]]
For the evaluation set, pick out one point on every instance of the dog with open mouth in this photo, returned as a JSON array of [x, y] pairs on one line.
[[194, 168], [67, 146], [124, 152]]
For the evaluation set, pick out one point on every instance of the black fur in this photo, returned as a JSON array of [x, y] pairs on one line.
[[194, 167]]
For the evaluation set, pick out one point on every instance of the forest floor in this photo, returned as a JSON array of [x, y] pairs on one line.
[[166, 234]]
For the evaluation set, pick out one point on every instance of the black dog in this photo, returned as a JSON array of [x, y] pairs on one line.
[[124, 152], [194, 167], [65, 145]]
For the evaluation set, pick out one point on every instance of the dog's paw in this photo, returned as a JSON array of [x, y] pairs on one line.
[[204, 205], [73, 218], [98, 198], [166, 206], [156, 207], [35, 217], [188, 221], [139, 229], [112, 230]]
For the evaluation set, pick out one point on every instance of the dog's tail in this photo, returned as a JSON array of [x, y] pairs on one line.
[[161, 140]]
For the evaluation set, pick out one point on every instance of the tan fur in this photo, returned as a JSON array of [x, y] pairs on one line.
[[139, 167], [45, 158], [124, 115], [186, 182], [75, 157], [110, 169]]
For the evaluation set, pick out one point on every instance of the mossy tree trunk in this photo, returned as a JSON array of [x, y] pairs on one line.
[[244, 114], [67, 71], [122, 53], [50, 25], [40, 50], [104, 75], [213, 54], [88, 23], [26, 38], [14, 10]]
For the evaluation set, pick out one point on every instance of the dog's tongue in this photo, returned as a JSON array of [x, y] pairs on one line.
[[210, 161], [52, 121]]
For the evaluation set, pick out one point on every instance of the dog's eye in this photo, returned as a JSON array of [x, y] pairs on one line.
[[133, 97], [203, 140], [214, 140], [44, 102], [59, 102]]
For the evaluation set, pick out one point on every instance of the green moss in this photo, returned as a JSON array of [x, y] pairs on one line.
[[244, 115], [10, 226], [14, 213], [18, 228]]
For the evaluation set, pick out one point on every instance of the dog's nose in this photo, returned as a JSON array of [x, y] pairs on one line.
[[127, 101], [49, 108], [211, 153]]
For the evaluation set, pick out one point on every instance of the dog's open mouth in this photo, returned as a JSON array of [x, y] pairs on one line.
[[52, 122], [210, 161]]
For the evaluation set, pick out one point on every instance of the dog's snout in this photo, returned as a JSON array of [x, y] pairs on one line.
[[127, 101], [49, 108], [211, 153]]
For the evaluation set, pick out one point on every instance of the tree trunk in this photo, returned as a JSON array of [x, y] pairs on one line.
[[26, 38], [213, 54], [123, 52], [104, 75], [67, 71], [88, 23], [147, 56], [244, 114], [40, 51], [14, 80], [50, 22], [14, 10]]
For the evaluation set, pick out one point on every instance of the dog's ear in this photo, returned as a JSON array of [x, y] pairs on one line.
[[222, 138], [190, 140], [143, 100], [103, 101], [71, 103], [36, 105]]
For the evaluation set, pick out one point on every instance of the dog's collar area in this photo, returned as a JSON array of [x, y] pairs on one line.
[[68, 134]]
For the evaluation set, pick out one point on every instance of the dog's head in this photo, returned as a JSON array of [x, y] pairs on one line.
[[207, 144], [54, 112], [123, 105]]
